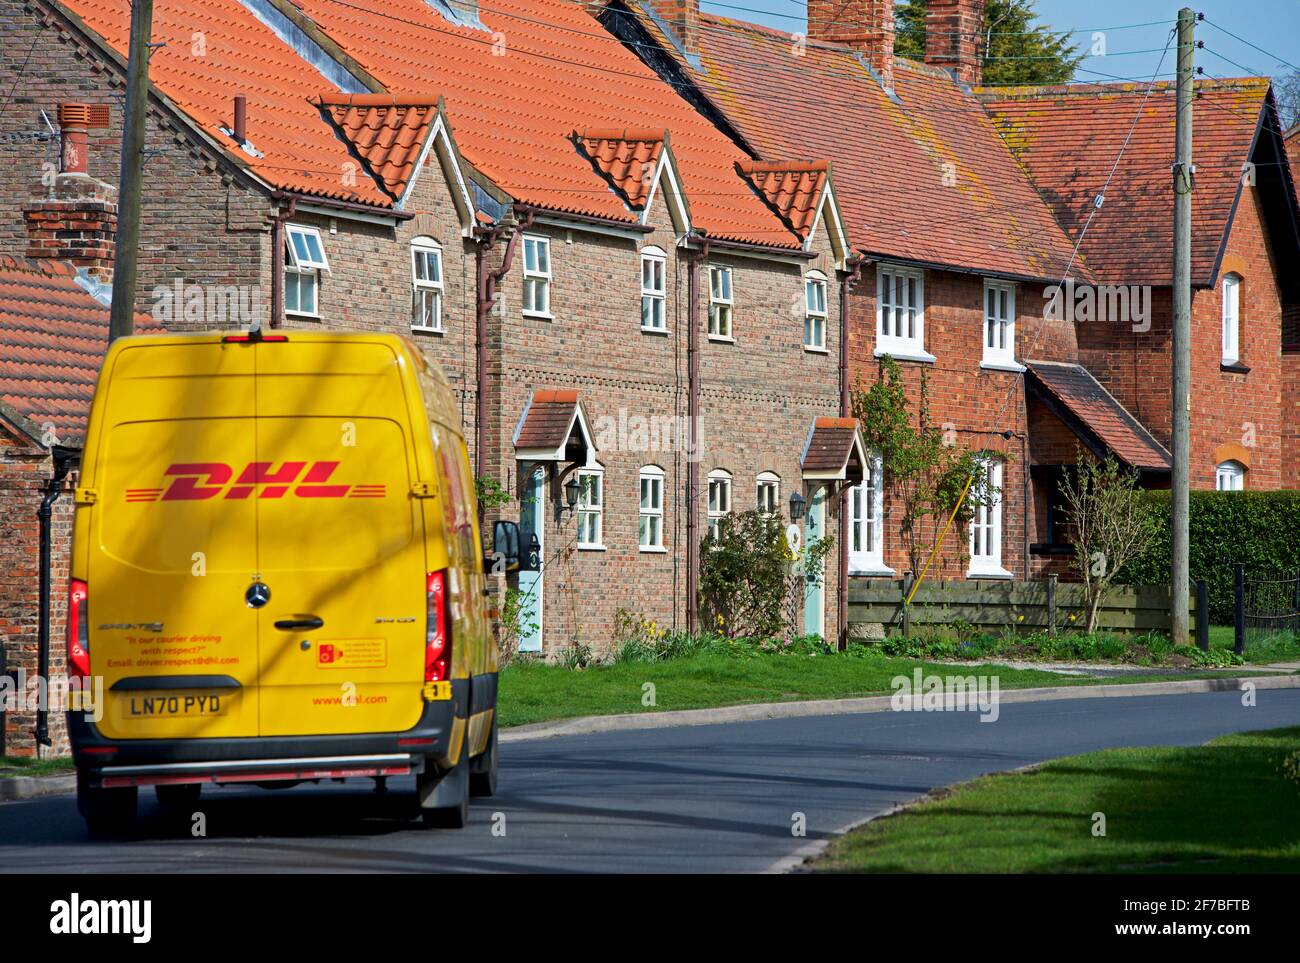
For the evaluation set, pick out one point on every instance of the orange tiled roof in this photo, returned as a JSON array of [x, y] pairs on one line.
[[240, 56], [834, 449], [792, 188], [923, 177], [1079, 396], [53, 336], [1068, 137], [627, 158], [387, 134]]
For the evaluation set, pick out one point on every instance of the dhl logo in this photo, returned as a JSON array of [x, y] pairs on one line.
[[196, 481]]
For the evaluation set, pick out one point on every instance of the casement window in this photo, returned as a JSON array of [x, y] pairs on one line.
[[1000, 325], [719, 498], [720, 302], [426, 285], [900, 313], [652, 509], [653, 289], [867, 521], [1231, 318], [814, 319], [986, 526], [304, 259], [591, 507], [537, 276], [1230, 477], [769, 493]]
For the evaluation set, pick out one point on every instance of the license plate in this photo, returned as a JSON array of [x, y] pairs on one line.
[[174, 705], [437, 691]]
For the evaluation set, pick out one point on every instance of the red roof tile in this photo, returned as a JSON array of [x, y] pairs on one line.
[[627, 158], [1087, 404], [388, 134], [792, 188], [1068, 139], [922, 177], [53, 337], [240, 56]]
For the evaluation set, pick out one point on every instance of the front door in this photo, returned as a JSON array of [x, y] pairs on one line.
[[814, 603], [532, 517]]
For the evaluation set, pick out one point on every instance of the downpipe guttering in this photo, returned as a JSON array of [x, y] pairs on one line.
[[848, 279], [489, 283], [696, 252], [277, 257], [65, 459]]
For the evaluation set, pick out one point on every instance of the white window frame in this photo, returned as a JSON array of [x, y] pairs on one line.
[[424, 287], [303, 265], [586, 508], [536, 279], [719, 507], [1000, 327], [1230, 476], [651, 515], [986, 526], [768, 481], [722, 305], [1231, 318], [813, 316], [891, 283], [866, 510], [654, 298]]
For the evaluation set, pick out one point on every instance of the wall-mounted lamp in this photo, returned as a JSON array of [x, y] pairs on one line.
[[797, 505]]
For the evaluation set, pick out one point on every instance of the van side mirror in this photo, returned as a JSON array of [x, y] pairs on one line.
[[505, 547]]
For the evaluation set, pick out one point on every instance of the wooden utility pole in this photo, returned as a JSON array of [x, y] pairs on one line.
[[1184, 177], [126, 258]]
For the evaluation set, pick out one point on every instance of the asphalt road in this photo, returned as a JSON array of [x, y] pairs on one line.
[[695, 799]]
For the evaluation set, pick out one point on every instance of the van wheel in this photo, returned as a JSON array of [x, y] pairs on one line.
[[444, 796], [483, 770], [178, 798], [107, 812]]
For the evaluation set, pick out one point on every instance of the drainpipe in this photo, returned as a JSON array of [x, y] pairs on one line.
[[694, 258], [847, 279], [488, 283], [64, 459], [277, 260]]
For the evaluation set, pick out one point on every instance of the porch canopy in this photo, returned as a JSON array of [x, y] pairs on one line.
[[553, 428], [834, 451]]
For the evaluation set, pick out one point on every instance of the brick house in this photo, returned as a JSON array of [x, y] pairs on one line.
[[53, 335], [594, 246], [945, 182]]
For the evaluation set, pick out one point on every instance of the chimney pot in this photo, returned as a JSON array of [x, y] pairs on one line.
[[240, 130]]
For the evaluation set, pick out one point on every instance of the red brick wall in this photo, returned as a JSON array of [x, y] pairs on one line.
[[1290, 419]]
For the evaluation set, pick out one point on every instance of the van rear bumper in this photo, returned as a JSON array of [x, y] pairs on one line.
[[118, 762]]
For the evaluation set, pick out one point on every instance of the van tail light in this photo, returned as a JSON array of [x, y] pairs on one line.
[[437, 648], [78, 630]]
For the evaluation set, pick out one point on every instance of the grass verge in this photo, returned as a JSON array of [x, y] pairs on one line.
[[1226, 807], [25, 766]]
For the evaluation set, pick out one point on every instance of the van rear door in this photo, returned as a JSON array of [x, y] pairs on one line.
[[340, 540], [171, 554]]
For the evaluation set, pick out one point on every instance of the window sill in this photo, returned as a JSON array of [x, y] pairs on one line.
[[662, 332], [871, 571], [1234, 367], [1053, 549], [907, 354], [990, 572], [653, 550], [591, 548], [1011, 367], [811, 350], [540, 315], [724, 338], [416, 329], [301, 314]]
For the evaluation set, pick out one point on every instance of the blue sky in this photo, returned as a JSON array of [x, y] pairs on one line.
[[1133, 52]]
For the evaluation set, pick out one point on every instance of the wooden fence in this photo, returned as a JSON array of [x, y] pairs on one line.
[[876, 607]]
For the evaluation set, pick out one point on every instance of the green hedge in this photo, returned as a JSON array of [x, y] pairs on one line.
[[1258, 529]]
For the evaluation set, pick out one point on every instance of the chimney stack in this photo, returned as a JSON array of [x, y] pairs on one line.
[[240, 130], [954, 38], [683, 16], [865, 25], [72, 216]]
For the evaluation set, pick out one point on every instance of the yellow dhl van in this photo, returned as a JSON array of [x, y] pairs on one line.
[[277, 572]]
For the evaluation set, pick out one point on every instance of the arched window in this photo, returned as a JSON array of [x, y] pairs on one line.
[[651, 482], [1230, 476], [769, 492], [653, 289], [426, 285], [719, 497], [1231, 318]]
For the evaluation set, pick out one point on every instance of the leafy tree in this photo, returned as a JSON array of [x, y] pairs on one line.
[[744, 570], [1020, 50], [1112, 522], [925, 472]]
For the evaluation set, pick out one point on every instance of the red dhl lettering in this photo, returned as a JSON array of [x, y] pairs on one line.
[[198, 481]]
